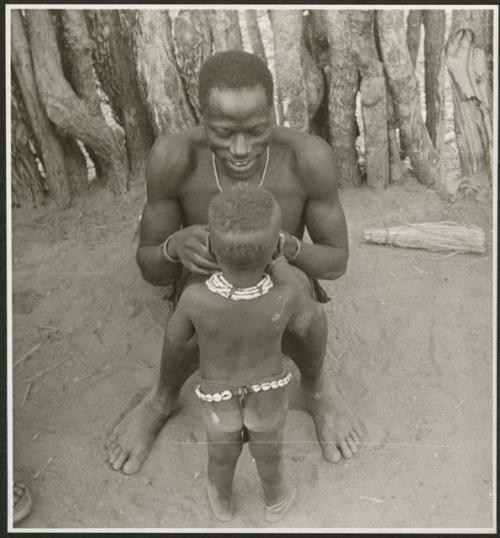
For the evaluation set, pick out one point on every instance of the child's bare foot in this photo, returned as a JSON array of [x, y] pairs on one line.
[[278, 510], [222, 508], [339, 431], [130, 440]]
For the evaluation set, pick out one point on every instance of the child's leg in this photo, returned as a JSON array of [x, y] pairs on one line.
[[224, 427], [264, 416], [267, 449], [224, 449]]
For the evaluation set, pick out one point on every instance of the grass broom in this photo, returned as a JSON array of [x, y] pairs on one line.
[[435, 236]]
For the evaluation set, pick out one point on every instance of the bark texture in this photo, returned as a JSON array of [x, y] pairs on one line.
[[161, 87], [290, 74], [467, 61], [113, 57], [48, 142], [434, 24], [314, 79], [225, 29], [253, 32], [344, 82], [72, 115], [27, 181], [78, 67], [395, 165], [193, 45], [316, 44], [424, 158], [373, 99], [413, 33]]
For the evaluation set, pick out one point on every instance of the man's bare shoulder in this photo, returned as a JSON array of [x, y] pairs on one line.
[[172, 158], [313, 157]]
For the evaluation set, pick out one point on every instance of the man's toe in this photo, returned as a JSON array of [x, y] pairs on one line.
[[134, 463], [355, 437], [114, 453], [344, 448], [331, 452], [110, 440], [111, 448], [352, 444], [119, 460]]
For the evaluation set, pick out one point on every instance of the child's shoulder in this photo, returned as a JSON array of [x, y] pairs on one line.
[[194, 293]]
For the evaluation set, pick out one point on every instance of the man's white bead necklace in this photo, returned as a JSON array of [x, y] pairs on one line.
[[219, 285], [262, 178]]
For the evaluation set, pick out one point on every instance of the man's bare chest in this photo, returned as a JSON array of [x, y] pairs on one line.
[[200, 187]]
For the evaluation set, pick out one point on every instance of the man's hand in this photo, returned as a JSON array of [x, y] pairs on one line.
[[190, 246]]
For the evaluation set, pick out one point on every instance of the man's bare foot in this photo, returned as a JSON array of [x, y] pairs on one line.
[[22, 501], [277, 511], [222, 508], [339, 431], [130, 440]]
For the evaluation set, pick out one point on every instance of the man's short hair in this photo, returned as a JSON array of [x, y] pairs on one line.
[[235, 70], [244, 211]]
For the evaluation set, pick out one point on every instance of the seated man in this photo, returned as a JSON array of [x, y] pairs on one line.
[[238, 144]]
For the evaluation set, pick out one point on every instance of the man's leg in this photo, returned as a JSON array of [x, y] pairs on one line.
[[132, 437], [130, 440], [337, 427]]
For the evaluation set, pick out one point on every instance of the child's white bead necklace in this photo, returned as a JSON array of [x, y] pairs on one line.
[[216, 175], [221, 286]]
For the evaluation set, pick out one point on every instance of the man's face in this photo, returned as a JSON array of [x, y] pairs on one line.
[[238, 128]]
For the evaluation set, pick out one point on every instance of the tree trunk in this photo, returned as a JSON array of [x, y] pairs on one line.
[[344, 83], [114, 63], [316, 44], [27, 181], [413, 31], [395, 166], [401, 78], [467, 61], [48, 143], [290, 75], [72, 115], [253, 32], [77, 64], [373, 99], [192, 45], [159, 81], [434, 24], [225, 29]]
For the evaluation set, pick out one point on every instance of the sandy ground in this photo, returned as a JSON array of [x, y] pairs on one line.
[[410, 343]]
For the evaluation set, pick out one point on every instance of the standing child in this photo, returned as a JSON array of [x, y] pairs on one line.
[[238, 317]]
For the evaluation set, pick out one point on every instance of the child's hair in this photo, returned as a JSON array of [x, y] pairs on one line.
[[235, 70], [237, 216]]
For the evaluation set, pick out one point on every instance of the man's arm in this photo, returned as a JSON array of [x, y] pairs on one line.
[[324, 217], [179, 334], [168, 163]]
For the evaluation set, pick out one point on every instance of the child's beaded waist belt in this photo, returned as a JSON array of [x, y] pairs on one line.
[[274, 382]]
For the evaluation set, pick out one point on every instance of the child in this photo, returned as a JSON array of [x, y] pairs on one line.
[[239, 316]]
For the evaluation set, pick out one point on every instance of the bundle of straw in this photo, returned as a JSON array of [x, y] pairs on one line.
[[436, 236]]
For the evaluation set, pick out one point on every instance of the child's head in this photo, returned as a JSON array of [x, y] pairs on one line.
[[245, 223]]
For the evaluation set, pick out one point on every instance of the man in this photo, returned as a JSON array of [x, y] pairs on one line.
[[238, 144]]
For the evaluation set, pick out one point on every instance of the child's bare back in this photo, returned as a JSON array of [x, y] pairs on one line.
[[238, 317]]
